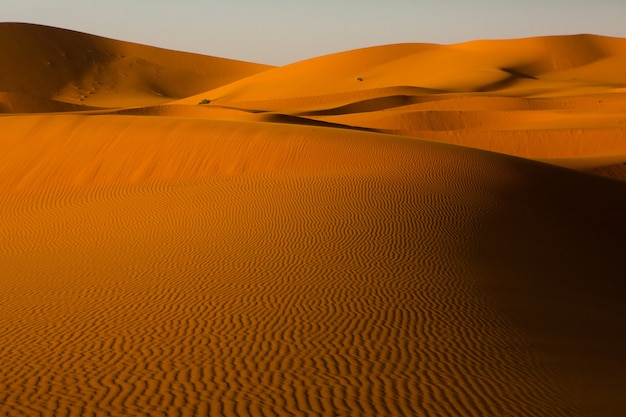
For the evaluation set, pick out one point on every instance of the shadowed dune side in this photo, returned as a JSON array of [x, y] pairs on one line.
[[612, 101], [11, 103], [617, 171], [434, 116], [73, 67], [227, 114], [562, 265], [183, 266], [195, 111]]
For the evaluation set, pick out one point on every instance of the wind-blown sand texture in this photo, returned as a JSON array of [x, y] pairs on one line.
[[304, 244]]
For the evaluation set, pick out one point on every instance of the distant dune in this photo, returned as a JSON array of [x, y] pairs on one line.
[[72, 67], [524, 97], [303, 242]]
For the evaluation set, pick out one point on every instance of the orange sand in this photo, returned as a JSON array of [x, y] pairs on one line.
[[303, 244]]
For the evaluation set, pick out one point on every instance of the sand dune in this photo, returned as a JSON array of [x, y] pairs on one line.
[[616, 171], [78, 68], [11, 103], [265, 255], [419, 90], [552, 66]]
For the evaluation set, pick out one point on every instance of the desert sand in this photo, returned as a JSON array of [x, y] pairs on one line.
[[402, 230]]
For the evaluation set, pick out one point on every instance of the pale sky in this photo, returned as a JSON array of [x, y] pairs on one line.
[[283, 31]]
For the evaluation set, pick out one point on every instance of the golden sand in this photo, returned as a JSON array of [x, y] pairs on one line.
[[304, 244]]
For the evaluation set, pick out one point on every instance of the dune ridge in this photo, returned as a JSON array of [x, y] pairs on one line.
[[316, 248]]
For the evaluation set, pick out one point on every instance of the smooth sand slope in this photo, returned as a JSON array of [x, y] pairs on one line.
[[226, 260]]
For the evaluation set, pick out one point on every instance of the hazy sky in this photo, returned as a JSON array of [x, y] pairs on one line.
[[282, 31]]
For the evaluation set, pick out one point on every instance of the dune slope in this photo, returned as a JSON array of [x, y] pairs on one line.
[[252, 269], [73, 67]]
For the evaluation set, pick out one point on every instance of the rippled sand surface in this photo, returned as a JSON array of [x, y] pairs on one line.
[[335, 237]]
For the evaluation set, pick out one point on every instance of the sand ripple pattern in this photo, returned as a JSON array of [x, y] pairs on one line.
[[303, 294], [246, 257]]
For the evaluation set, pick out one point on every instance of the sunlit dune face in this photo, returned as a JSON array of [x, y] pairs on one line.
[[369, 233]]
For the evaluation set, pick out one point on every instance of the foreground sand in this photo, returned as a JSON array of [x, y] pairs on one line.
[[213, 260]]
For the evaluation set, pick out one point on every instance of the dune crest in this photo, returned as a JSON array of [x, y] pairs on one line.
[[302, 241]]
